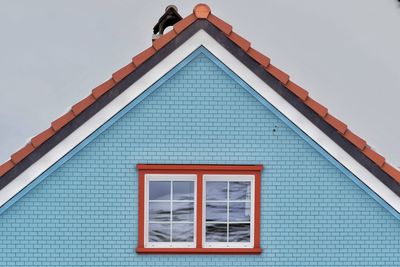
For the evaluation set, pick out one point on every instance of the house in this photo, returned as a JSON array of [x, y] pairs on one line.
[[199, 152]]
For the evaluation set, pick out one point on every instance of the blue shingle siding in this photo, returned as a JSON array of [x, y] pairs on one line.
[[85, 213]]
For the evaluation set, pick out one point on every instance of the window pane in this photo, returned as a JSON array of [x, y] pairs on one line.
[[182, 232], [183, 190], [159, 190], [159, 211], [239, 191], [159, 232], [239, 211], [216, 211], [183, 211], [216, 190], [216, 232], [239, 232]]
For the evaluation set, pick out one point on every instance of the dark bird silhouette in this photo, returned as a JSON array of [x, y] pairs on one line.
[[170, 17]]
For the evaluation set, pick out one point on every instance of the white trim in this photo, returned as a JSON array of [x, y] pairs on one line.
[[228, 178], [198, 39], [169, 177]]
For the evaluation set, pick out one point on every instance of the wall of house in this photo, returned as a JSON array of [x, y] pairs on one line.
[[85, 213]]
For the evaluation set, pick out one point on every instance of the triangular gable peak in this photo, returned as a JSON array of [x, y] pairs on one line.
[[202, 28]]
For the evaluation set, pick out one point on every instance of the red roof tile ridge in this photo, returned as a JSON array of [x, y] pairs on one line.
[[202, 11], [220, 24], [164, 39], [184, 23], [392, 171], [6, 166]]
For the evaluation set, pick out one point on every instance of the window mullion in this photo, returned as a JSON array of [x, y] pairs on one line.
[[227, 212], [199, 212], [170, 214]]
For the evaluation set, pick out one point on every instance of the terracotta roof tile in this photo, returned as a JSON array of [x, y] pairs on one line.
[[220, 24], [355, 139], [201, 11], [22, 153], [317, 107], [123, 72], [184, 23], [143, 56], [83, 104], [163, 40], [375, 157], [260, 58], [297, 90], [340, 126], [277, 73], [240, 41], [103, 88], [392, 171], [42, 137], [62, 121], [5, 167]]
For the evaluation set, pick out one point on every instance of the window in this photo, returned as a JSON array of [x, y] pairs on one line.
[[170, 206], [228, 209], [199, 208]]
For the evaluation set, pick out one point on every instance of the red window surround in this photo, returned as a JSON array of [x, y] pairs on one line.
[[199, 171]]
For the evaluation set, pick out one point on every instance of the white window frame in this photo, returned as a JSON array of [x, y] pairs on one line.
[[231, 178], [169, 177]]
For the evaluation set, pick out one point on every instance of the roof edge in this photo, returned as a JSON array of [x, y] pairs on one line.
[[200, 12]]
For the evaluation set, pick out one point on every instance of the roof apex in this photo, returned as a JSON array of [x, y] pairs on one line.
[[201, 12]]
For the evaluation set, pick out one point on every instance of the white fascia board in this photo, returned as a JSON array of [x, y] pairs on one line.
[[201, 38]]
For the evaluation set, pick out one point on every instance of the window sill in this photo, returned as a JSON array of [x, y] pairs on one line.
[[199, 250]]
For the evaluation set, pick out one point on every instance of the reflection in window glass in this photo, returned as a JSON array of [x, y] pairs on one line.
[[228, 211], [159, 190], [171, 214], [183, 211], [216, 211], [216, 232], [239, 211], [239, 190], [239, 232], [182, 232], [159, 211], [217, 190], [159, 232], [183, 190]]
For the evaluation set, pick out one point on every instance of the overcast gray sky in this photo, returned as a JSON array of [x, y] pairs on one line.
[[345, 53]]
